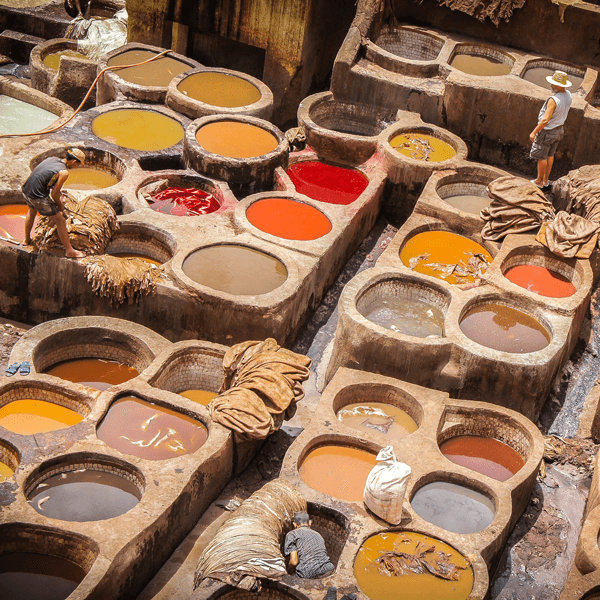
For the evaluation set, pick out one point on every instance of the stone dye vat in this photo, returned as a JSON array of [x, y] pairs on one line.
[[387, 419], [482, 454], [93, 372], [337, 470], [237, 270], [29, 416], [234, 139], [89, 178], [12, 220], [52, 59], [434, 253], [149, 243], [9, 461], [502, 327], [86, 491], [158, 73], [453, 507], [541, 280], [219, 91], [403, 307], [536, 71], [327, 183], [18, 116], [184, 202], [483, 61], [465, 196], [379, 583], [138, 129], [289, 219], [150, 431], [405, 42], [421, 146]]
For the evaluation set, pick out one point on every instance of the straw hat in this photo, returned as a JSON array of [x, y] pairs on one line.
[[560, 79], [76, 153]]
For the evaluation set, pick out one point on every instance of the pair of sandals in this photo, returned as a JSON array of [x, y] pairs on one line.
[[24, 368], [542, 187]]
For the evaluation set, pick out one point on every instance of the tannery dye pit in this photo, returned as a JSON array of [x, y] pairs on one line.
[[28, 417], [159, 72], [219, 89], [235, 139], [97, 373], [387, 419]]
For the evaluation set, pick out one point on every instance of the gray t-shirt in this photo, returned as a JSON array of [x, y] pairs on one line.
[[36, 186], [313, 560]]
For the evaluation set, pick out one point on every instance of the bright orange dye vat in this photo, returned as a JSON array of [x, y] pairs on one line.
[[28, 417], [200, 396], [219, 89], [429, 252], [338, 471], [143, 257], [12, 220], [288, 219], [138, 129], [88, 178], [540, 280], [159, 72], [5, 472], [381, 585], [235, 139], [97, 373]]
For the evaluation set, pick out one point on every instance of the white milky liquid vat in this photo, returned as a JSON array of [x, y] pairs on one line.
[[17, 116]]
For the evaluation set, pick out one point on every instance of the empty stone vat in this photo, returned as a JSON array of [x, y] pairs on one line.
[[145, 83], [333, 526], [480, 60], [243, 151], [536, 71], [134, 240], [204, 92], [9, 460], [84, 487]]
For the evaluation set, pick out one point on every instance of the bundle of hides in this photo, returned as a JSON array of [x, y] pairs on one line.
[[248, 545], [263, 383], [579, 192], [519, 206], [120, 279], [495, 10], [91, 224]]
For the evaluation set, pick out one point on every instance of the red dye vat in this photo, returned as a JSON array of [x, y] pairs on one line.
[[183, 202], [334, 185], [288, 219], [540, 280]]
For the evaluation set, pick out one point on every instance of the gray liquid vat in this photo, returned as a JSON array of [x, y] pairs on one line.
[[538, 76], [17, 116], [453, 507], [468, 203], [407, 316]]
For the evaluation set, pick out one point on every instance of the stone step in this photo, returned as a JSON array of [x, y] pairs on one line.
[[18, 46]]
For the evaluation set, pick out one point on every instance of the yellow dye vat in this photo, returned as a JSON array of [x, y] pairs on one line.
[[52, 60], [219, 89], [5, 472], [201, 396], [138, 129], [28, 417], [421, 146], [235, 139], [88, 178]]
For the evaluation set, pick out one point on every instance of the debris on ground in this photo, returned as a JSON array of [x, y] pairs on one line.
[[574, 451]]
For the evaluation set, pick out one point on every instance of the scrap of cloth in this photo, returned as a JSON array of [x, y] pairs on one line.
[[247, 546], [263, 383], [569, 236], [579, 192], [495, 10], [517, 206], [91, 224]]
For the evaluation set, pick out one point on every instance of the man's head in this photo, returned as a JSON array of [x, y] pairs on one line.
[[75, 158], [301, 519], [559, 81]]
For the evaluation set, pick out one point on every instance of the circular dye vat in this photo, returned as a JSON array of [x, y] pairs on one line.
[[149, 431], [200, 396], [182, 202], [5, 471], [235, 139], [158, 73], [31, 576], [537, 75], [144, 257], [84, 495], [422, 147], [406, 315], [138, 129], [12, 220], [480, 65], [338, 471], [468, 203], [327, 183], [28, 417], [52, 60], [504, 328], [387, 419], [541, 280], [219, 89], [375, 573], [288, 219], [453, 507], [17, 116], [237, 270], [483, 454], [445, 255], [97, 373], [88, 178]]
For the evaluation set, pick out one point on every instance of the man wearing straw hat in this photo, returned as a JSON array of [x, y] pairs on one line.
[[42, 194], [550, 127]]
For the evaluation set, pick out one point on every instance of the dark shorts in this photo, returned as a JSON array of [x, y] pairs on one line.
[[545, 143], [45, 206]]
